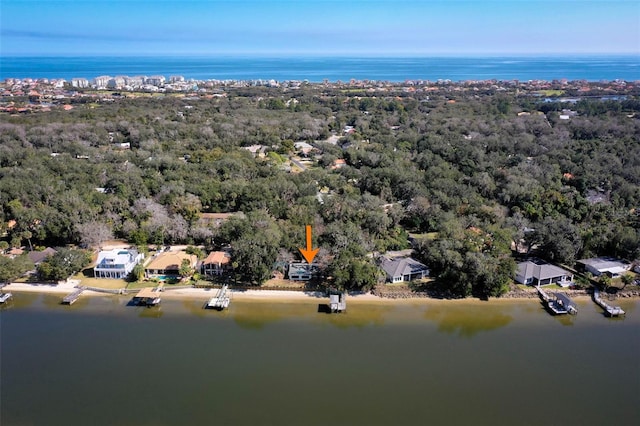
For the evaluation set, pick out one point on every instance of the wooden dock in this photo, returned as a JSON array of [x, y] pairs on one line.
[[338, 302], [221, 300], [542, 294], [612, 311], [5, 297], [148, 296], [71, 298]]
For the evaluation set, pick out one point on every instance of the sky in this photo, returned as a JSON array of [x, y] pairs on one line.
[[318, 27]]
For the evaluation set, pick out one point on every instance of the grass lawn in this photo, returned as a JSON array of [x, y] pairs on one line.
[[397, 285], [279, 282], [140, 285], [167, 285], [106, 283]]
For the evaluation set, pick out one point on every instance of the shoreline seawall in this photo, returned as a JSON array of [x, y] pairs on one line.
[[381, 294]]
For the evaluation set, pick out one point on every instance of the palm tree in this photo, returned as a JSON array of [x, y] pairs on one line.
[[605, 281], [626, 280], [185, 268]]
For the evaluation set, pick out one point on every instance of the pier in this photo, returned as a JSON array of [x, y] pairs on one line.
[[338, 302], [542, 294], [612, 311], [221, 300], [148, 296], [71, 298]]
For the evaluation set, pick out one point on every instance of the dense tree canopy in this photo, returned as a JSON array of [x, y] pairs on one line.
[[480, 170], [64, 263]]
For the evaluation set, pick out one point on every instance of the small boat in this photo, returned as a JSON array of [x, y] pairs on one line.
[[4, 297]]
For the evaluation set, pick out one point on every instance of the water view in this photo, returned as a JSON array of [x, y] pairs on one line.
[[101, 362], [317, 69]]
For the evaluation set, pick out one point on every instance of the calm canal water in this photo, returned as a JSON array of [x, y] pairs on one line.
[[101, 362]]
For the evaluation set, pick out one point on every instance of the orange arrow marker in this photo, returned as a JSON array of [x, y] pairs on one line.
[[309, 253]]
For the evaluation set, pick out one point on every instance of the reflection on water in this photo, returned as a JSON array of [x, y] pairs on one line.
[[195, 307], [467, 320], [21, 300], [255, 315], [149, 311]]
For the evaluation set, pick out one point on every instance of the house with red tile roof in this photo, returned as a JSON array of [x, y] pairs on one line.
[[217, 263]]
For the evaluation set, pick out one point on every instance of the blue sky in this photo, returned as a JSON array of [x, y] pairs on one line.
[[318, 27]]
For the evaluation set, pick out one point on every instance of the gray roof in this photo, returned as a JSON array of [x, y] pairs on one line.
[[566, 301], [604, 263], [39, 256], [403, 266], [540, 271]]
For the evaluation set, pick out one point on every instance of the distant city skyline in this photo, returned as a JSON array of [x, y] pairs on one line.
[[319, 27]]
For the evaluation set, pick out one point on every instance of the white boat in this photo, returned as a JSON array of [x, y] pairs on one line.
[[5, 296]]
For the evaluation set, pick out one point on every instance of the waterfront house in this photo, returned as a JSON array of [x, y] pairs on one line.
[[217, 263], [167, 264], [604, 265], [37, 257], [403, 269], [116, 263], [300, 271], [537, 272]]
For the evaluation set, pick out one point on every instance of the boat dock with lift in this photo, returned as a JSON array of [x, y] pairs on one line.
[[71, 298], [338, 302], [220, 301], [612, 311], [557, 303], [5, 297], [148, 296]]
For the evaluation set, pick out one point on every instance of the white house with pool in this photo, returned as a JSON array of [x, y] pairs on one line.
[[116, 263]]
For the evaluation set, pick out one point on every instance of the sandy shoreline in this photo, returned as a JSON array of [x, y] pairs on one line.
[[190, 293], [253, 295]]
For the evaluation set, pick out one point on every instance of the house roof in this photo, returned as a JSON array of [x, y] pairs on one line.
[[606, 264], [116, 257], [402, 266], [147, 293], [39, 256], [300, 268], [304, 146], [171, 260], [15, 251], [218, 258], [540, 271]]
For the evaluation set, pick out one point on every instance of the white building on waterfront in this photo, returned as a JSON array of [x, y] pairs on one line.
[[80, 83], [116, 263], [102, 81], [156, 80]]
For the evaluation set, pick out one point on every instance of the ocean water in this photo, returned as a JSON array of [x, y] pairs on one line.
[[318, 69]]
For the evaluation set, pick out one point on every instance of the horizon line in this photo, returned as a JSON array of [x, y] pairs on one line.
[[291, 55]]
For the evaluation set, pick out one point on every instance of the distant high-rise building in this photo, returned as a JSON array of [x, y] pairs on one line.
[[156, 80], [102, 81], [80, 83]]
